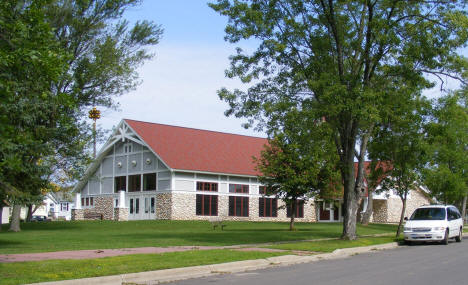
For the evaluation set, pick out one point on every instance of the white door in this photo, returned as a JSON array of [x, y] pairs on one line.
[[141, 207]]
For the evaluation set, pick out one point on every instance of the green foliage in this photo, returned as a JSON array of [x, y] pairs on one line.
[[30, 59], [446, 175], [342, 60], [298, 159], [57, 58]]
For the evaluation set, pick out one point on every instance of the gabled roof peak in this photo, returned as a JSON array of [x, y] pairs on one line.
[[190, 128]]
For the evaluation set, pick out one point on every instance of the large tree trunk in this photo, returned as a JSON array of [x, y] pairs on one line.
[[30, 213], [369, 210], [463, 208], [351, 199], [402, 216], [293, 214], [352, 184], [15, 218]]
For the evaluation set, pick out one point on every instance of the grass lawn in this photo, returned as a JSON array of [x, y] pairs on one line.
[[53, 270], [57, 236], [331, 245]]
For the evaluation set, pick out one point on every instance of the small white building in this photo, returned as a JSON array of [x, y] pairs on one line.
[[55, 206]]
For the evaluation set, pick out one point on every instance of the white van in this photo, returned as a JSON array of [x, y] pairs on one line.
[[434, 223]]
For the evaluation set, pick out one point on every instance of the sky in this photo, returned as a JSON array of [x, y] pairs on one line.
[[179, 85]]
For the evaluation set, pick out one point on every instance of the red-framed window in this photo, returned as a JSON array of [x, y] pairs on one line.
[[207, 186], [238, 188], [207, 205], [268, 207], [299, 209], [238, 206], [262, 190]]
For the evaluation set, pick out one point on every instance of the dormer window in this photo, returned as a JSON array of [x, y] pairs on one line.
[[127, 148]]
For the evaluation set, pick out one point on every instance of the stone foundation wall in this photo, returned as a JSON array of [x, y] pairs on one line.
[[120, 214], [380, 213], [102, 205], [77, 214], [184, 208], [395, 205], [164, 206]]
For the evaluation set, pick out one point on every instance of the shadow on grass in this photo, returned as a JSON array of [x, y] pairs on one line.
[[9, 243]]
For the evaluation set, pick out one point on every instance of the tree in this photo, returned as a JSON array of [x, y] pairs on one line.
[[58, 57], [446, 176], [344, 58], [400, 141], [375, 172], [296, 163], [30, 60], [104, 53]]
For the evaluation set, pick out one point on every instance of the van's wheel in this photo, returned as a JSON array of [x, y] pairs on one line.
[[446, 238], [459, 238]]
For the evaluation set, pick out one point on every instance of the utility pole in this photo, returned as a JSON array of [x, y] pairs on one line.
[[94, 114]]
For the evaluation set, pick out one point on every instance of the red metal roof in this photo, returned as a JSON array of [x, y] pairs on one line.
[[200, 150]]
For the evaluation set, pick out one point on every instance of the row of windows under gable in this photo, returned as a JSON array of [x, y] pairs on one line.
[[135, 182]]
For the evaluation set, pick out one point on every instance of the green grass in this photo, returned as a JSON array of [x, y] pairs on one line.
[[53, 270], [57, 236], [331, 245]]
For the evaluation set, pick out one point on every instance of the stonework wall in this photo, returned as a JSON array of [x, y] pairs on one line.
[[184, 208], [105, 206], [380, 213], [164, 206], [77, 214], [102, 205], [395, 205], [120, 214]]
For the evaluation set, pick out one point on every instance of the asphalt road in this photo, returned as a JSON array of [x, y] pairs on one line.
[[414, 265]]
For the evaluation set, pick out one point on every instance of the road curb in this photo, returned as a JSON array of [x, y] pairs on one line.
[[177, 274]]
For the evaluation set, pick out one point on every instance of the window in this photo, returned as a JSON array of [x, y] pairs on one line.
[[137, 205], [299, 209], [149, 181], [238, 206], [120, 183], [82, 201], [147, 206], [262, 190], [64, 206], [91, 201], [128, 148], [134, 183], [131, 206], [116, 203], [238, 188], [207, 205], [268, 207], [87, 201], [207, 186], [152, 205]]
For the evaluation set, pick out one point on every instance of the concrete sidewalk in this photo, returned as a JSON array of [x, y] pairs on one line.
[[176, 274]]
